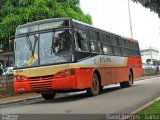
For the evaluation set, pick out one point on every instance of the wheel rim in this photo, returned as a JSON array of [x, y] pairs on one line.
[[95, 84]]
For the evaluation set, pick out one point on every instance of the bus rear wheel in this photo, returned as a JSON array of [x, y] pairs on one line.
[[127, 83], [95, 86], [48, 95]]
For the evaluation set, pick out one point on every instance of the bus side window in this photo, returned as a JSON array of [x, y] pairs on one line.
[[107, 49], [82, 41], [108, 39], [114, 40], [93, 35], [121, 43], [103, 37], [95, 47]]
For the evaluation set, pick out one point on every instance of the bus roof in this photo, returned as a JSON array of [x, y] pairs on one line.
[[132, 40], [43, 21], [67, 18], [104, 30]]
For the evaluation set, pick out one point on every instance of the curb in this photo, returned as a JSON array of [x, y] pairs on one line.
[[19, 100], [145, 106], [148, 77]]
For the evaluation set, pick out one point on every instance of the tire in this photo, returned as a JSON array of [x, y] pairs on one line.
[[95, 86], [48, 95], [101, 88], [127, 83]]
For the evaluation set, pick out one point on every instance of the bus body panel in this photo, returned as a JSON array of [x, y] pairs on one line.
[[84, 77], [136, 65], [106, 77], [41, 71]]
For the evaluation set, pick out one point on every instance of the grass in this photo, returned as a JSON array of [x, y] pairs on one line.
[[151, 112], [152, 109]]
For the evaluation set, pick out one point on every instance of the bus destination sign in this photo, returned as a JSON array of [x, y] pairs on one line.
[[38, 27]]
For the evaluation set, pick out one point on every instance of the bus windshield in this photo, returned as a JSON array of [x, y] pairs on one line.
[[44, 48]]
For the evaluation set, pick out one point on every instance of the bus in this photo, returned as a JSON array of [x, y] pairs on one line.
[[62, 54]]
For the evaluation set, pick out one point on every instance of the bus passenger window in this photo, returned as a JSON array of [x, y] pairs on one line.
[[107, 49], [62, 41], [82, 41], [92, 47], [95, 47], [93, 35]]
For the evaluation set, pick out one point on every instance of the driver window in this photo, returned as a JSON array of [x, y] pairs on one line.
[[82, 42], [62, 42]]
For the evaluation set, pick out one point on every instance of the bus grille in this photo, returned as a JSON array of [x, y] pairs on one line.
[[49, 77], [41, 83]]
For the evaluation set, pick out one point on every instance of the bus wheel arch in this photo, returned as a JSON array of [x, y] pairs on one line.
[[95, 84], [100, 80], [129, 82]]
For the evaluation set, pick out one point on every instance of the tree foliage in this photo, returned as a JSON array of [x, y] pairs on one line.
[[15, 12], [153, 5]]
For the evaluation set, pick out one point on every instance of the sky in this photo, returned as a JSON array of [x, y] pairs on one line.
[[113, 16]]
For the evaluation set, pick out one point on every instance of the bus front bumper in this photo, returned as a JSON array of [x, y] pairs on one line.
[[65, 83]]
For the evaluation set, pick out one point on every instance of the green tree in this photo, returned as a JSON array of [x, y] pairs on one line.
[[15, 12], [153, 5]]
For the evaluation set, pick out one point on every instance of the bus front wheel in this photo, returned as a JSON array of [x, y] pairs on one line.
[[127, 83], [48, 95], [95, 86]]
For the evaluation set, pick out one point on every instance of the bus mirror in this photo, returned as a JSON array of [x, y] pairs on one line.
[[11, 44]]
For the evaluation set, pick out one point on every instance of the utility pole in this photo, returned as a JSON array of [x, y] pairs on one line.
[[151, 55], [130, 21]]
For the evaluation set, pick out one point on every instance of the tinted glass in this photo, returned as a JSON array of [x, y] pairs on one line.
[[107, 49], [95, 47]]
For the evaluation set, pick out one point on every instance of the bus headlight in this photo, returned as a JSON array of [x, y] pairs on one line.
[[64, 73], [20, 78]]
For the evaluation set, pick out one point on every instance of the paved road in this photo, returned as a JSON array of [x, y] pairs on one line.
[[113, 100]]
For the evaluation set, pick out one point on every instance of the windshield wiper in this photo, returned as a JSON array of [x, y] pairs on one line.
[[34, 46], [29, 42], [53, 47], [32, 49]]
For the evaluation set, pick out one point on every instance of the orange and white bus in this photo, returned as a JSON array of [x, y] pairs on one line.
[[57, 55]]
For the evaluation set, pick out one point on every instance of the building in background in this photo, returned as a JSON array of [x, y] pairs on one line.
[[6, 58], [6, 54], [150, 54]]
